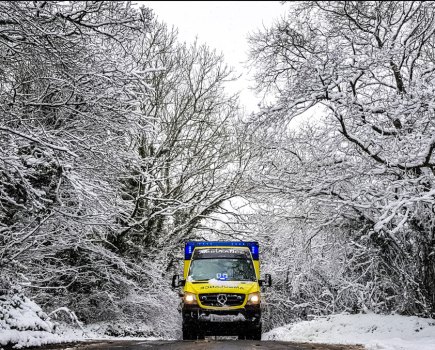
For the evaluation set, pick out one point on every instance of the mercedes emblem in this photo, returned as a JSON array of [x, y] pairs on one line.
[[221, 299]]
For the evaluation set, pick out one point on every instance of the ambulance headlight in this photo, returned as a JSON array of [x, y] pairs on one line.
[[253, 299], [189, 298]]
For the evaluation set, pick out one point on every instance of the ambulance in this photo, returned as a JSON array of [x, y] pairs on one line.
[[220, 290]]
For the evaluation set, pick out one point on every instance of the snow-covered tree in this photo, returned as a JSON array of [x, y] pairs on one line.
[[364, 170], [190, 158], [118, 142], [69, 96]]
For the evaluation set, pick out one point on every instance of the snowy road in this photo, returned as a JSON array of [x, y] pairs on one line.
[[197, 345]]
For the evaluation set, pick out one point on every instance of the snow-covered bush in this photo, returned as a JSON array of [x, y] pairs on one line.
[[23, 323], [20, 313]]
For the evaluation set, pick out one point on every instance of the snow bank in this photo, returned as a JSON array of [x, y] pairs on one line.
[[24, 324], [375, 332]]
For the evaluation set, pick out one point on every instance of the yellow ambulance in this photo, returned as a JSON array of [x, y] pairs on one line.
[[221, 290]]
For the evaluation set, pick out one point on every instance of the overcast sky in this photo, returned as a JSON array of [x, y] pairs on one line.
[[223, 25]]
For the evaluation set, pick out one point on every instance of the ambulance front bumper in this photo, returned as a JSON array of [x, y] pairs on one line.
[[224, 322]]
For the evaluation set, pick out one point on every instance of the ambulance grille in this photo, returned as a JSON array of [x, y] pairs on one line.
[[212, 299]]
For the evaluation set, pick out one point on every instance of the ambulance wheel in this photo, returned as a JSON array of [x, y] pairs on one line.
[[188, 334], [255, 334]]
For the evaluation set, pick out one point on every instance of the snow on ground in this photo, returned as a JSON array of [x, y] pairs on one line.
[[24, 324], [107, 330], [375, 332]]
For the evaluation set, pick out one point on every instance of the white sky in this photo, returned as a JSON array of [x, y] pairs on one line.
[[224, 26]]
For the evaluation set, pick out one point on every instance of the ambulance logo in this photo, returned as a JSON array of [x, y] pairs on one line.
[[222, 299]]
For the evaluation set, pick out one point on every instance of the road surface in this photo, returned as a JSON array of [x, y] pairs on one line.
[[196, 345]]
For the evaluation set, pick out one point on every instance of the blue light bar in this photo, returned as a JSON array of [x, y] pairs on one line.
[[253, 246]]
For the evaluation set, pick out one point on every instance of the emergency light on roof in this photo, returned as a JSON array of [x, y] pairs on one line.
[[253, 246]]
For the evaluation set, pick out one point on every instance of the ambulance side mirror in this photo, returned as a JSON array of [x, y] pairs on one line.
[[177, 282], [267, 282]]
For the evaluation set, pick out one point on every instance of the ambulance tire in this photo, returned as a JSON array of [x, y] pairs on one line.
[[188, 334], [254, 334]]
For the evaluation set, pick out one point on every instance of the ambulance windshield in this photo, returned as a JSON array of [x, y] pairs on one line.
[[222, 269]]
